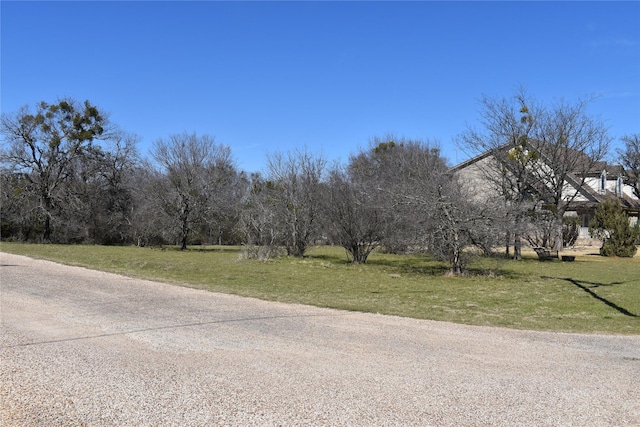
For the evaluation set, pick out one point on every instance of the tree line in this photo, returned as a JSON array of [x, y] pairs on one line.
[[69, 175]]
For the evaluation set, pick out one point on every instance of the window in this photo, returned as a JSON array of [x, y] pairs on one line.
[[603, 182], [619, 186]]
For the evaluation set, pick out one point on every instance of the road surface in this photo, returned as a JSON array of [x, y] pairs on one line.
[[80, 347]]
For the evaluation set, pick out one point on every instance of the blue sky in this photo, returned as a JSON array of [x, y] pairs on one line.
[[265, 77]]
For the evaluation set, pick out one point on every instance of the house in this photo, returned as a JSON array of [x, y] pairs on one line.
[[584, 187], [603, 182]]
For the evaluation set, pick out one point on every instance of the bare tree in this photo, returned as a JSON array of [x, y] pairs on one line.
[[570, 142], [98, 192], [532, 154], [44, 146], [455, 224], [117, 165], [423, 202], [194, 169], [295, 196], [630, 159], [20, 216], [354, 220], [258, 221], [148, 219], [399, 193], [505, 139], [396, 172]]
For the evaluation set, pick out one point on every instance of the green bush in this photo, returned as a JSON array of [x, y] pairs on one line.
[[611, 224]]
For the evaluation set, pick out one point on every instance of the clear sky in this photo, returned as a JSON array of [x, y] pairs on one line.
[[265, 77]]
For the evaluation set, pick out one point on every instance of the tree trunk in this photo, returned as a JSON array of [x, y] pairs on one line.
[[48, 208], [557, 229], [456, 264], [517, 237], [507, 245], [184, 232], [517, 246], [184, 220], [46, 235]]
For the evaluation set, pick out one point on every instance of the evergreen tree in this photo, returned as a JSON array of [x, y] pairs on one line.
[[611, 224]]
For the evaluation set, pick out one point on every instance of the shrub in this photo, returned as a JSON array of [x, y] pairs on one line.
[[611, 224], [570, 230]]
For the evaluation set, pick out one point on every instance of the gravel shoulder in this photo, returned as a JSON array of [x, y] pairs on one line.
[[80, 347]]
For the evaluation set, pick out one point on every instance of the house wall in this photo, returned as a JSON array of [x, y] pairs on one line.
[[586, 215], [627, 190], [611, 184], [570, 193], [593, 183], [474, 179]]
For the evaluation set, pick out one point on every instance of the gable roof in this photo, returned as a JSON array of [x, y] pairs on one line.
[[547, 150], [574, 178], [472, 160]]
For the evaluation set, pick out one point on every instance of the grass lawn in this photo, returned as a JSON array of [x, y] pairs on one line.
[[592, 294]]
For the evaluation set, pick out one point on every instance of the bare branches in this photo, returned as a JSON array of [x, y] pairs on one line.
[[630, 159], [355, 221], [194, 168], [531, 154], [295, 179]]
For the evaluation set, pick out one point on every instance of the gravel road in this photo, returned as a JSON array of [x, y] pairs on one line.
[[80, 347]]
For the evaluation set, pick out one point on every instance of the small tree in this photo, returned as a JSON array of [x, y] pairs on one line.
[[398, 174], [295, 197], [258, 222], [355, 222], [421, 206], [541, 231], [570, 230], [611, 224]]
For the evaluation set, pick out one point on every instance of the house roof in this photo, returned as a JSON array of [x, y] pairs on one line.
[[547, 150], [594, 168], [473, 160], [629, 203], [574, 178]]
